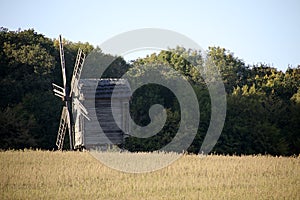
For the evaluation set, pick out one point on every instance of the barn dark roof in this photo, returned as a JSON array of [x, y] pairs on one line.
[[103, 88]]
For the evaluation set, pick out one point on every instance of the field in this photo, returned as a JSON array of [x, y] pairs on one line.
[[77, 175]]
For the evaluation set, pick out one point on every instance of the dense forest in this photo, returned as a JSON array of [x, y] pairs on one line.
[[263, 103]]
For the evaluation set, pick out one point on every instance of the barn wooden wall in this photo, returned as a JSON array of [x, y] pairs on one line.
[[98, 101]]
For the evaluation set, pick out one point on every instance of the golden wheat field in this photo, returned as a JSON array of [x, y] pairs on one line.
[[77, 175]]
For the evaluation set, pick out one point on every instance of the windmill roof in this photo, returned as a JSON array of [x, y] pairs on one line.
[[104, 88]]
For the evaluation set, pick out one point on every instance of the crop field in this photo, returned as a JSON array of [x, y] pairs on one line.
[[78, 175]]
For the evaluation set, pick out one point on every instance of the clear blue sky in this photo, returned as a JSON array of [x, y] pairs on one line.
[[256, 31]]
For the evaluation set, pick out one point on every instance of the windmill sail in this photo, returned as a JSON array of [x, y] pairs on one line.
[[80, 108], [79, 113], [64, 119], [59, 91], [77, 71], [66, 95], [62, 62]]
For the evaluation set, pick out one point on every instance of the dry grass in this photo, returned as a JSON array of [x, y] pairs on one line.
[[77, 175]]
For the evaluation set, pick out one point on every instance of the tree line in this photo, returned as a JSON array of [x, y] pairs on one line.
[[263, 103]]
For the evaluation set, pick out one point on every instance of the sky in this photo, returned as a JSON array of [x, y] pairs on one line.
[[256, 31]]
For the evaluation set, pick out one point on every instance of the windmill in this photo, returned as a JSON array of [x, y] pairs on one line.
[[69, 95]]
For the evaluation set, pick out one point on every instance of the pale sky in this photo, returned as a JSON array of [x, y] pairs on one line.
[[256, 31]]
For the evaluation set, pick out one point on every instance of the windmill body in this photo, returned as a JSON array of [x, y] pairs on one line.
[[107, 103], [68, 93], [88, 105]]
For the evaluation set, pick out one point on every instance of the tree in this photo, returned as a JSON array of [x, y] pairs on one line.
[[263, 104]]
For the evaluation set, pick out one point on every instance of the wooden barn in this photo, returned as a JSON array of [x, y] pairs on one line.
[[105, 104]]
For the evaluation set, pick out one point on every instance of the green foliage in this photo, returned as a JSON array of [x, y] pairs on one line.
[[233, 70], [263, 104], [16, 127], [32, 55]]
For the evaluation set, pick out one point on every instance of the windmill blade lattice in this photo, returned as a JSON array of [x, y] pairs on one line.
[[77, 71], [66, 120]]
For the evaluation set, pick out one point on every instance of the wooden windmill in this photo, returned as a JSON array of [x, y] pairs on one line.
[[69, 95]]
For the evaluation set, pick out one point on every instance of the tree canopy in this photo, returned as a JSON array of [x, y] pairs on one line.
[[263, 103]]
